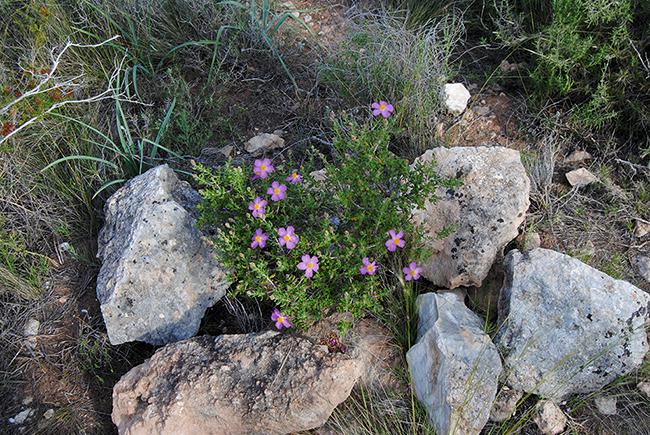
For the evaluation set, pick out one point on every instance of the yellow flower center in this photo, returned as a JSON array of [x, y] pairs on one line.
[[258, 239], [276, 190], [287, 237], [280, 319], [396, 241], [263, 167], [310, 265], [256, 206], [413, 272], [294, 175], [370, 267], [382, 107]]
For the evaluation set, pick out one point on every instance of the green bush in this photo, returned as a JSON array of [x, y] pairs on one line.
[[367, 192]]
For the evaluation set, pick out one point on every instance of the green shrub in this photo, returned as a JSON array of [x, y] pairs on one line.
[[367, 192]]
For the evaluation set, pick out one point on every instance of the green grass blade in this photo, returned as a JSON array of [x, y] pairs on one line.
[[107, 185], [77, 157]]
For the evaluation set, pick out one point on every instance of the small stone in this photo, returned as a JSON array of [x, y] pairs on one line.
[[27, 400], [642, 228], [264, 142], [227, 150], [549, 418], [642, 264], [505, 404], [644, 387], [307, 18], [48, 414], [606, 405], [456, 97], [22, 416], [580, 177], [31, 328], [577, 157]]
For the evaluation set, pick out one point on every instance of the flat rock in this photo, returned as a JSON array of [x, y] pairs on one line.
[[158, 276], [263, 383], [549, 418], [456, 97], [483, 214], [566, 327], [454, 365], [580, 177], [264, 142], [577, 156], [642, 228]]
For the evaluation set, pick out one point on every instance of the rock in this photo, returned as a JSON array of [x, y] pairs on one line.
[[566, 327], [158, 276], [483, 214], [549, 418], [642, 228], [577, 156], [21, 417], [368, 341], [454, 365], [260, 383], [320, 175], [505, 404], [642, 264], [580, 177], [644, 387], [48, 414], [227, 150], [264, 142], [456, 97], [31, 328], [606, 405]]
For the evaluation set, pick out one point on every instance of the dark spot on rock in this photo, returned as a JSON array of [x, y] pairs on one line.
[[500, 220], [493, 228], [589, 317]]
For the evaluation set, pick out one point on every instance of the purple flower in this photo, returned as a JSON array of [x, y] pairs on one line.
[[281, 321], [382, 108], [287, 237], [368, 268], [412, 272], [395, 240], [257, 207], [309, 265], [277, 191], [294, 178], [259, 239], [262, 168]]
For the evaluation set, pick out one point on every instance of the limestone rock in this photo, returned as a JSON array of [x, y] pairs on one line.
[[505, 404], [261, 383], [264, 142], [454, 365], [606, 405], [549, 418], [456, 97], [645, 388], [577, 156], [483, 214], [580, 177], [31, 328], [158, 275], [567, 327]]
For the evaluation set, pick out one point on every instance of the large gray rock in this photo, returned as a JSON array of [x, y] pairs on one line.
[[567, 327], [483, 214], [266, 383], [454, 365], [158, 275]]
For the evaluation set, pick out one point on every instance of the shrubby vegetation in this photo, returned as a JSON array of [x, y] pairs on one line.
[[341, 222]]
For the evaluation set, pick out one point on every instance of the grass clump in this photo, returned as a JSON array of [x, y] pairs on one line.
[[383, 58], [367, 192]]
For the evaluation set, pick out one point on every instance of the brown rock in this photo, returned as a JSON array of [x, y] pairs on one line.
[[580, 177], [549, 418], [265, 383], [264, 142], [642, 228], [577, 157], [505, 404]]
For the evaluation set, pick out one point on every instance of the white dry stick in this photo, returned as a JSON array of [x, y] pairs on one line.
[[43, 87]]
